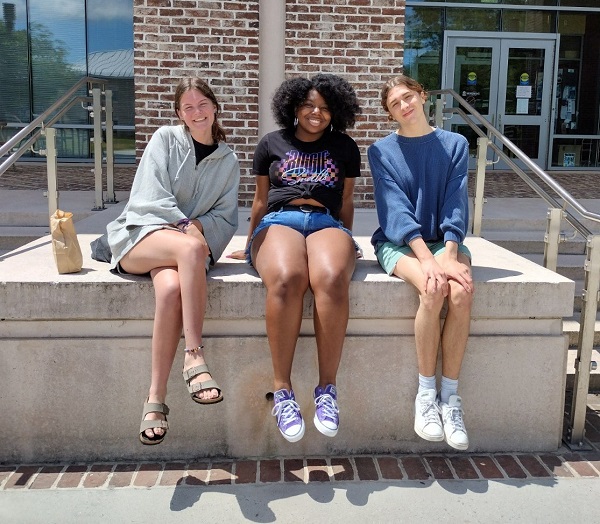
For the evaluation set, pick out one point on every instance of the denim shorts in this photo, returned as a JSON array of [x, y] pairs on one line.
[[303, 222], [389, 253]]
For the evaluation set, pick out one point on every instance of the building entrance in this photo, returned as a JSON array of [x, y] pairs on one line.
[[509, 79]]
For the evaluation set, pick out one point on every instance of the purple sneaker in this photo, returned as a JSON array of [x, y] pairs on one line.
[[289, 418], [327, 419]]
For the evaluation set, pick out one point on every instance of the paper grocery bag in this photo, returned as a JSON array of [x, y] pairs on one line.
[[65, 245]]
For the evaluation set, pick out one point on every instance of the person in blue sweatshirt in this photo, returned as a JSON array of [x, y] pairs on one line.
[[420, 184]]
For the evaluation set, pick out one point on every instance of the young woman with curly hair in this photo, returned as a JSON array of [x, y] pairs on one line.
[[300, 235]]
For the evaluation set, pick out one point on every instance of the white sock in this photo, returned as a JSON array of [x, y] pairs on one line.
[[426, 383], [449, 387]]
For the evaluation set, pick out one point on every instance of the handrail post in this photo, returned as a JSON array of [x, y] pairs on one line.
[[552, 238], [583, 363], [439, 112], [51, 169], [97, 139], [482, 143], [111, 197]]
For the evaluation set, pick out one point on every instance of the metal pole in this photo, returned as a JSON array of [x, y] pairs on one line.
[[439, 113], [552, 238], [51, 168], [111, 198], [583, 363], [482, 143], [97, 139]]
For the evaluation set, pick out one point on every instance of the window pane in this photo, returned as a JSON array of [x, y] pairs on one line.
[[57, 31], [473, 19], [579, 3], [14, 68], [110, 55], [528, 21], [423, 45]]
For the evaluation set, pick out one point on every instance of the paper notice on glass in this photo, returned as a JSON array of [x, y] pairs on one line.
[[522, 106], [523, 91]]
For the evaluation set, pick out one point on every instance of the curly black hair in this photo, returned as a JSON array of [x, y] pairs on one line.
[[337, 92]]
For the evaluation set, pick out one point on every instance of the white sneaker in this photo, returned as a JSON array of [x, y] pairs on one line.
[[428, 424], [454, 426]]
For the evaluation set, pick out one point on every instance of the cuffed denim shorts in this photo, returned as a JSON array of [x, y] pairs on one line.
[[389, 253], [305, 222]]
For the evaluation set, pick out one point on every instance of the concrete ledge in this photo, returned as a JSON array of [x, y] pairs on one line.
[[75, 363]]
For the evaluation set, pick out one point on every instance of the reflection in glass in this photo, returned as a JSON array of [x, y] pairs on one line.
[[473, 19], [471, 136], [528, 21], [57, 34], [423, 45], [524, 82], [14, 68], [472, 74], [526, 138], [110, 56]]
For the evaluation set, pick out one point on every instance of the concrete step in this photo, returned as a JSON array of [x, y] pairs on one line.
[[571, 328], [568, 265], [522, 242], [13, 237], [594, 373], [529, 214]]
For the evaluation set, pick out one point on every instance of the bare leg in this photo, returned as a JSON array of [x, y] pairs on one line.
[[331, 261], [184, 284], [427, 319], [456, 327], [279, 256], [166, 334]]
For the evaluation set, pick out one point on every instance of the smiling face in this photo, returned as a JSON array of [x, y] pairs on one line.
[[313, 117], [198, 114], [406, 106]]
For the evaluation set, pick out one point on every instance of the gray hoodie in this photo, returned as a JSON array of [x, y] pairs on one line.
[[168, 186]]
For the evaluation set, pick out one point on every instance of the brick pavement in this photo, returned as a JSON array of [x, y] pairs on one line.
[[564, 463], [362, 468], [81, 178]]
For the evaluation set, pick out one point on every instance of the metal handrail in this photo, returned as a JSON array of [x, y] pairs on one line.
[[561, 192], [47, 118], [575, 431], [43, 125]]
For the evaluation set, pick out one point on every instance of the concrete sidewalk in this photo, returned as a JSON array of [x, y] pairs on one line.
[[540, 501]]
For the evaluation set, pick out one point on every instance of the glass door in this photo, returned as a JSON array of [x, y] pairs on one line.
[[509, 81]]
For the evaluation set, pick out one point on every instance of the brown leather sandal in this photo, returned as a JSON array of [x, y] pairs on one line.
[[150, 407]]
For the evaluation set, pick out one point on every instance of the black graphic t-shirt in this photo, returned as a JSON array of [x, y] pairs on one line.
[[299, 169]]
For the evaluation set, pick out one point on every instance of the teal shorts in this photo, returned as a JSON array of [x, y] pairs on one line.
[[389, 253]]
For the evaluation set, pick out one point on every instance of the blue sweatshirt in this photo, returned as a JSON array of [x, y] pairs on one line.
[[420, 187]]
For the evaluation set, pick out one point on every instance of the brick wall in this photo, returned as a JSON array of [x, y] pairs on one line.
[[360, 40]]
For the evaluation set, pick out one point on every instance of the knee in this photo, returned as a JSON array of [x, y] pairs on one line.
[[332, 282], [432, 302], [168, 293], [287, 282], [459, 299], [194, 250]]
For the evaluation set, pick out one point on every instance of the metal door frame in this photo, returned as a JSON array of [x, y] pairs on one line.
[[503, 42]]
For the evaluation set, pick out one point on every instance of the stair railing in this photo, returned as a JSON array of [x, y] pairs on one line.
[[42, 125], [575, 432]]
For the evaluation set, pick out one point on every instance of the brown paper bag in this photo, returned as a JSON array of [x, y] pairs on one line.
[[65, 245]]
